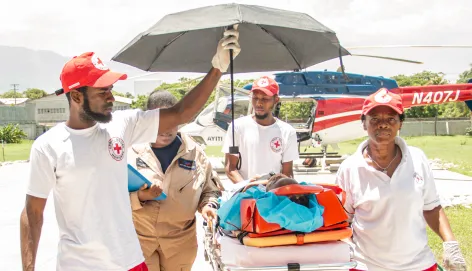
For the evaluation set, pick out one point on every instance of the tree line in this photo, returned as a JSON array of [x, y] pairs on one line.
[[300, 110]]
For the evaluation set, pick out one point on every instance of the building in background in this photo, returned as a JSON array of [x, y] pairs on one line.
[[53, 109]]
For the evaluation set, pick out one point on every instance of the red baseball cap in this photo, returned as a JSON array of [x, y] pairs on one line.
[[267, 85], [383, 97], [87, 70]]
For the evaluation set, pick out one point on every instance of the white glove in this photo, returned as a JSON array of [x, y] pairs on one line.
[[230, 41], [452, 257]]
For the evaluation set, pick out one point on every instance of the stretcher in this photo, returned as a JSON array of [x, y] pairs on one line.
[[265, 246]]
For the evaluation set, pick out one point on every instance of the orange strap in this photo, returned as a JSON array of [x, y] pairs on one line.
[[300, 239], [297, 189]]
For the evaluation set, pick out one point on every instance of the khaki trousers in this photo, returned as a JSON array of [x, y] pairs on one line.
[[181, 261]]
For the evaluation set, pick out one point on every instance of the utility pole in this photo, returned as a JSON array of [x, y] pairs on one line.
[[14, 90]]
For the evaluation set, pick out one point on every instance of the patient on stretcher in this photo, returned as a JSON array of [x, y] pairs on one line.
[[276, 181], [300, 213], [282, 180], [279, 221]]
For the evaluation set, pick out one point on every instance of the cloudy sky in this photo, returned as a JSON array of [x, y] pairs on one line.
[[105, 26]]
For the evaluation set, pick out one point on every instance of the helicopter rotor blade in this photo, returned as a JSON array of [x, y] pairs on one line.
[[390, 58]]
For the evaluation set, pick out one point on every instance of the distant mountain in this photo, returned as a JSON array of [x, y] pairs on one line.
[[40, 69]]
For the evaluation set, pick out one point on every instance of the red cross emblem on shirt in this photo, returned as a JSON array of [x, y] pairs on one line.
[[117, 148], [276, 144]]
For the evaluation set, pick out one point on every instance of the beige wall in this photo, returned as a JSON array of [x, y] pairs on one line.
[[51, 109], [427, 127], [17, 114], [56, 108]]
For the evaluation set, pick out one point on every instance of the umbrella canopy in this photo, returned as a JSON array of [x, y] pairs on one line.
[[271, 39]]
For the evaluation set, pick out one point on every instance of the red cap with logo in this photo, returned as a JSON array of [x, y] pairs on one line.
[[267, 85], [87, 70], [383, 97]]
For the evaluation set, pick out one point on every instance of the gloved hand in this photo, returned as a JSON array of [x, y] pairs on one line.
[[229, 41], [452, 257]]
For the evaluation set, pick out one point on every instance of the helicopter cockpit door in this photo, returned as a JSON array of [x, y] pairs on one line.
[[304, 133]]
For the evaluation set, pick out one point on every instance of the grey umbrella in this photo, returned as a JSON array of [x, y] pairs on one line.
[[270, 39]]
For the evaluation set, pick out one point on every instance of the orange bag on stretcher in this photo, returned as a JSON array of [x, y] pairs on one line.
[[327, 195]]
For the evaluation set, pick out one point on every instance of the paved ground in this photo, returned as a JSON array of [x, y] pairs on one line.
[[12, 194]]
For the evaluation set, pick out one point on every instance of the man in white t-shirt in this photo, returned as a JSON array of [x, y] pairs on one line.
[[266, 144], [83, 161], [391, 196]]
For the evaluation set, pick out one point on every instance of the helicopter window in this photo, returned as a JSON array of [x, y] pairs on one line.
[[310, 81], [331, 90], [354, 81], [293, 79], [330, 79], [240, 108], [205, 118], [222, 102], [297, 113], [376, 82]]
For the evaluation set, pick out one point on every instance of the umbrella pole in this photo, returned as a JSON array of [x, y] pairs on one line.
[[233, 149]]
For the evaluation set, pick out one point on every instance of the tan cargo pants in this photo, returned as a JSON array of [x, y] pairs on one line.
[[181, 261]]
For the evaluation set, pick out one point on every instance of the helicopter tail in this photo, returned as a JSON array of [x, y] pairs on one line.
[[435, 94], [469, 102]]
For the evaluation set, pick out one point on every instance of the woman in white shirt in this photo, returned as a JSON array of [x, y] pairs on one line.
[[391, 196]]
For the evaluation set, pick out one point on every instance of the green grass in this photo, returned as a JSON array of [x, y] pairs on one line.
[[460, 219], [12, 152], [450, 149], [213, 151]]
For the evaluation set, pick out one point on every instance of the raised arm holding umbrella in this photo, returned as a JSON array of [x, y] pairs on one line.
[[273, 39]]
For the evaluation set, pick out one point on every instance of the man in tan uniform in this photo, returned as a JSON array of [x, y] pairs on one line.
[[176, 165]]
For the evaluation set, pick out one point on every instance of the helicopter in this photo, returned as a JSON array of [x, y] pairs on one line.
[[333, 118], [335, 99]]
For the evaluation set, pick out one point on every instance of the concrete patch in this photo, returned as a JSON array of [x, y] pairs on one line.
[[442, 174]]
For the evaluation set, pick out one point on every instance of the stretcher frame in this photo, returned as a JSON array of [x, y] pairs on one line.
[[213, 256]]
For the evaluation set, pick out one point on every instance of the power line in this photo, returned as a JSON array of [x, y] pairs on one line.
[[14, 91]]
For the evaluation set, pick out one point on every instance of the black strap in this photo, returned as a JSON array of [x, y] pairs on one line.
[[241, 236], [293, 267], [238, 165]]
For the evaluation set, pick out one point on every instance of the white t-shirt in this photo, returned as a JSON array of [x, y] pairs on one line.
[[87, 172], [388, 222], [263, 148]]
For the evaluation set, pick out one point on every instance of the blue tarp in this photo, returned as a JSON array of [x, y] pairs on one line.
[[273, 209]]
